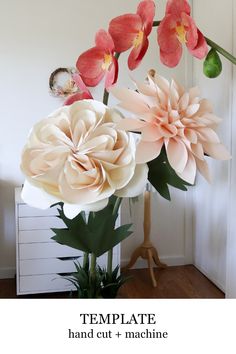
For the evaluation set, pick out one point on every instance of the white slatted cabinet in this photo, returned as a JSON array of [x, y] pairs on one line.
[[40, 261]]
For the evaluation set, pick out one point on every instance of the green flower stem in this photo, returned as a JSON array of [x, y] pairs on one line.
[[110, 252], [85, 260], [212, 44], [156, 23], [109, 261], [105, 97], [93, 264], [220, 50]]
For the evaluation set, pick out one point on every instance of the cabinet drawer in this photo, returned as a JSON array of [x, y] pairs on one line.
[[34, 236], [47, 266], [44, 283], [40, 223], [26, 210], [55, 265], [46, 250]]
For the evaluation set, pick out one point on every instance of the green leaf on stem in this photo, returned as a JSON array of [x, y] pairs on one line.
[[97, 235], [161, 174], [212, 66]]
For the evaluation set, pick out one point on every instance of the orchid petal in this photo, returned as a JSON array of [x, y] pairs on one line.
[[92, 82], [79, 83], [192, 31], [77, 97], [146, 10], [200, 50], [137, 54], [90, 63], [104, 41], [124, 30], [171, 59], [112, 74], [177, 7], [167, 38]]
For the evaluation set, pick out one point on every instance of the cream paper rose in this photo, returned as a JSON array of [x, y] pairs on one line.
[[78, 156]]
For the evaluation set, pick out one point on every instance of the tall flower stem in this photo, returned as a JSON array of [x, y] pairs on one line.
[[85, 260], [110, 252], [212, 44], [220, 50], [93, 265]]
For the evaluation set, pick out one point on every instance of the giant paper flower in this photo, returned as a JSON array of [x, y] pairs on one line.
[[99, 61], [177, 28], [78, 156], [132, 31], [180, 121]]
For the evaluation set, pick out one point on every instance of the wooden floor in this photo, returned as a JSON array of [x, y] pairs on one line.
[[183, 282]]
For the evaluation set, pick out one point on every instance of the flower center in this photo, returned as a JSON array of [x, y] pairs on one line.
[[107, 62], [181, 33], [138, 39]]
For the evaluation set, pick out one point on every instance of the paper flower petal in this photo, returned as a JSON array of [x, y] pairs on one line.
[[176, 7], [103, 40], [112, 75], [90, 62], [189, 172], [171, 59], [177, 154], [137, 184], [146, 10], [77, 97], [37, 197], [71, 210], [148, 151], [217, 151], [200, 50], [137, 54], [123, 30]]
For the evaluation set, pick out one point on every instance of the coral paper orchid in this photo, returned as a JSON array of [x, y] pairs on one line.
[[132, 31], [99, 61], [177, 28]]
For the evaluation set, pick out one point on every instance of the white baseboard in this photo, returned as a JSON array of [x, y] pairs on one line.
[[7, 273], [169, 260]]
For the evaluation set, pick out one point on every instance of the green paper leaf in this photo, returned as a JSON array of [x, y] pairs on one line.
[[212, 65], [97, 236], [161, 174]]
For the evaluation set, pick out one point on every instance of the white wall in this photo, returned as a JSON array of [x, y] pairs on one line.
[[36, 37], [231, 239], [211, 202]]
